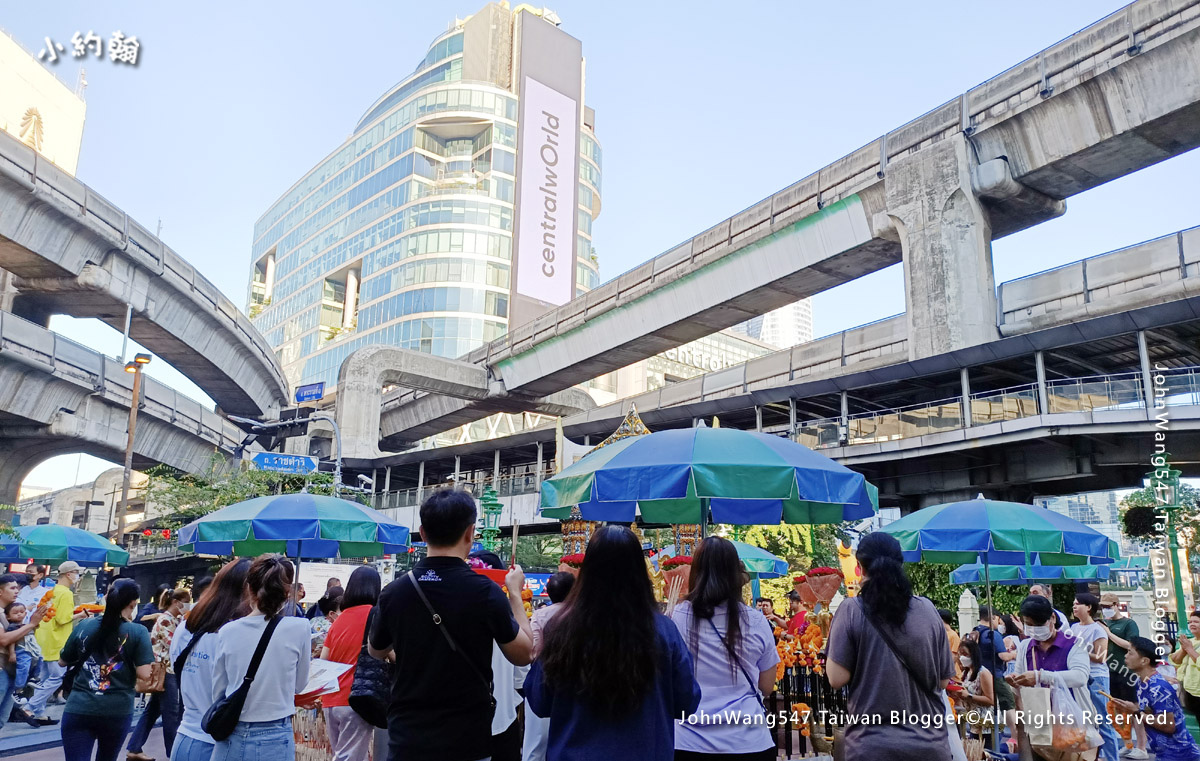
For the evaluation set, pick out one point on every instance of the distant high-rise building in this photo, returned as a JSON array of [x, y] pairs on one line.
[[783, 327], [462, 203], [1099, 509], [37, 108]]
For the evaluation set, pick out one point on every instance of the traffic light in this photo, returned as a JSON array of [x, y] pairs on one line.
[[292, 422]]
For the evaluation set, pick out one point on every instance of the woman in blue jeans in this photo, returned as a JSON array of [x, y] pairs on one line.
[[114, 653], [264, 732]]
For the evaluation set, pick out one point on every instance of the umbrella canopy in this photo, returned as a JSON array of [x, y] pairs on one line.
[[744, 477], [296, 525], [54, 544], [999, 533], [758, 562], [1020, 575], [1132, 564]]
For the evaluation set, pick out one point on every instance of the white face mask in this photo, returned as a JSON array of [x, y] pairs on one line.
[[1040, 633], [965, 660], [1109, 612]]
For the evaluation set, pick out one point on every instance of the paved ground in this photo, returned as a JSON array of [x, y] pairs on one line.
[[20, 741]]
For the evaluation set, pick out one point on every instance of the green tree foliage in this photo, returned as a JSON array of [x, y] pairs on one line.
[[803, 547], [932, 580], [1138, 511], [536, 553], [184, 497]]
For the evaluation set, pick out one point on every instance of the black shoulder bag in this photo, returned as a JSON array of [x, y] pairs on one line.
[[183, 656], [223, 716], [437, 622], [371, 689], [934, 694], [753, 684]]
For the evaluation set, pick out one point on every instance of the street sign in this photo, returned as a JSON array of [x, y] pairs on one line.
[[313, 392], [284, 463]]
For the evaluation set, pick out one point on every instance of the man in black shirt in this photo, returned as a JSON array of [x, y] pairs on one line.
[[441, 706]]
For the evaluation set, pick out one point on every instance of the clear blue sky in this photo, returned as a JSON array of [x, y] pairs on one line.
[[702, 110]]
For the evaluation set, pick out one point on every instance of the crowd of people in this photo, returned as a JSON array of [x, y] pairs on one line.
[[602, 672]]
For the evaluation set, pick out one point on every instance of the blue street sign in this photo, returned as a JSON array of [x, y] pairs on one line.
[[284, 463], [313, 392]]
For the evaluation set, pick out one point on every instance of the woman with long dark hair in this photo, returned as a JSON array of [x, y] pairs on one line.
[[733, 650], [171, 605], [613, 673], [112, 653], [350, 735], [264, 730], [194, 650], [890, 647]]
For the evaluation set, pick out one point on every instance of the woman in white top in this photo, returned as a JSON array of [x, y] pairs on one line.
[[1094, 636], [196, 641], [733, 649], [264, 731]]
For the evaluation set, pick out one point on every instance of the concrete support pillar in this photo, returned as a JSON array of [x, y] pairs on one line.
[[538, 478], [350, 306], [758, 418], [844, 421], [269, 277], [457, 468], [947, 241], [420, 482], [1147, 375], [374, 480], [964, 377], [387, 478], [496, 471], [1141, 610], [791, 418], [1043, 393]]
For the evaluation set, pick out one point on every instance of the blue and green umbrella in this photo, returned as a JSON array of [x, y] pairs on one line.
[[295, 525], [54, 544], [723, 474], [1020, 575], [999, 533]]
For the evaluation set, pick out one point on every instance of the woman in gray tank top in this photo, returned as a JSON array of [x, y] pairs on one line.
[[891, 649]]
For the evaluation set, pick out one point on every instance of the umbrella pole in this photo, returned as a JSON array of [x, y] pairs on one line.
[[703, 518], [987, 580]]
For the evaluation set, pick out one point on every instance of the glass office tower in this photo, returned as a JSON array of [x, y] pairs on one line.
[[408, 233]]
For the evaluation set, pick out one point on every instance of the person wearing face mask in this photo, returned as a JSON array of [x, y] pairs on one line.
[[1043, 590], [1094, 637], [52, 634], [1050, 657], [171, 604], [978, 685]]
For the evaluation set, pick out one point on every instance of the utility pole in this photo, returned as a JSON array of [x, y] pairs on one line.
[[134, 366]]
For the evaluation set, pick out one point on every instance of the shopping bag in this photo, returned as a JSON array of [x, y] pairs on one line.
[[1035, 707], [1071, 730]]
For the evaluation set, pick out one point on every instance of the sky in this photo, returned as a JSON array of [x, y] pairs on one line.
[[702, 109]]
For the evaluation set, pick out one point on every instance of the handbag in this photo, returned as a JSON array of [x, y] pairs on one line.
[[371, 689], [437, 622], [753, 685], [223, 716], [156, 682]]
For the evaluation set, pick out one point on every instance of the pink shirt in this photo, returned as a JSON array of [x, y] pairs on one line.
[[540, 618]]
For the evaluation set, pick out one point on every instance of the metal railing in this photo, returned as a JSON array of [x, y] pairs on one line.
[[1095, 393], [1005, 404], [1177, 387], [506, 486]]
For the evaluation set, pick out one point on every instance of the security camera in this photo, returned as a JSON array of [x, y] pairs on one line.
[[366, 480]]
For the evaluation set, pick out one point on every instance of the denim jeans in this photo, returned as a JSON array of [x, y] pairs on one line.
[[258, 741], [26, 665], [191, 749], [82, 732], [52, 676], [6, 697], [1097, 684], [165, 704]]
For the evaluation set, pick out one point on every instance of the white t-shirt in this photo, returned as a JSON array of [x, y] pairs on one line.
[[281, 675], [1087, 635], [195, 683]]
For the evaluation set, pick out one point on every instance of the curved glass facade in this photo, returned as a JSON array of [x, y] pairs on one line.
[[404, 234]]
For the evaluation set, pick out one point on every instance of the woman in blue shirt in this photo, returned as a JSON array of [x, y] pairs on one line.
[[613, 674]]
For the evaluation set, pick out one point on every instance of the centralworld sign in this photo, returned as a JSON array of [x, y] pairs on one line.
[[549, 164]]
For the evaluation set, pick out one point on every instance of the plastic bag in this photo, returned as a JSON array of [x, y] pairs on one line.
[[1070, 728]]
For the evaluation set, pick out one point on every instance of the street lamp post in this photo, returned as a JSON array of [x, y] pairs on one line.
[[1164, 483], [134, 366], [492, 508]]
